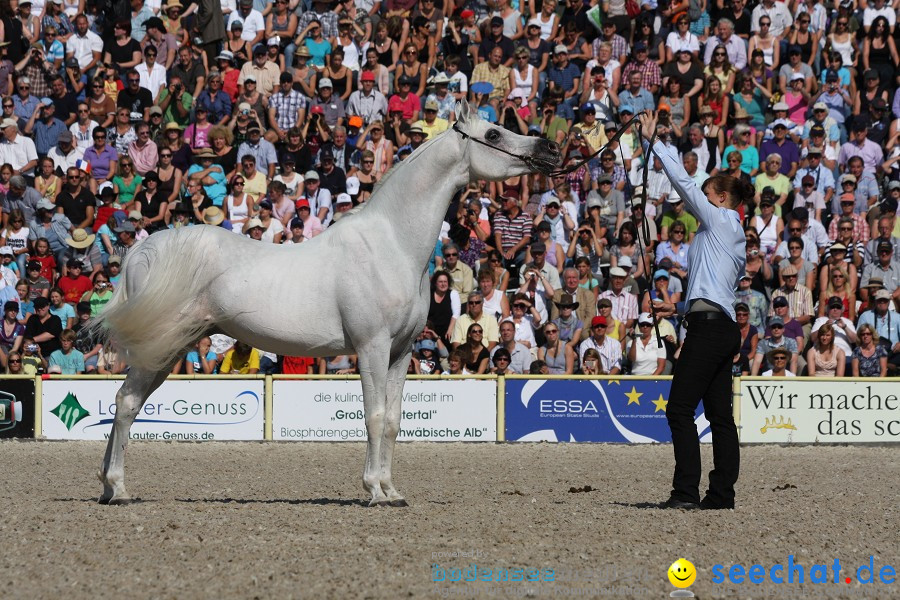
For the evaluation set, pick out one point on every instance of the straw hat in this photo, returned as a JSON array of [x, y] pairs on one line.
[[173, 4], [213, 215], [80, 239]]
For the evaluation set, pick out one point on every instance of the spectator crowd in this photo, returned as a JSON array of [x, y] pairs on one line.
[[121, 119]]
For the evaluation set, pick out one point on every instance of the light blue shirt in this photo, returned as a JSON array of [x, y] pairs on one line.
[[823, 176], [70, 364], [887, 327], [64, 313], [717, 254]]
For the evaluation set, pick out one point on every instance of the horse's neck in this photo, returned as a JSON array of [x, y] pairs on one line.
[[416, 195]]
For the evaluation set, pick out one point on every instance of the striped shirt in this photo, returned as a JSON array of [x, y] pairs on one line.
[[610, 352], [512, 231], [287, 107], [860, 228], [624, 305], [799, 301]]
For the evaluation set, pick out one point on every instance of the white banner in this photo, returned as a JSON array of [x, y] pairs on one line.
[[226, 409], [809, 410], [331, 410]]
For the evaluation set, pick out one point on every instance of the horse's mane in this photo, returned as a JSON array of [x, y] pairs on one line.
[[417, 153]]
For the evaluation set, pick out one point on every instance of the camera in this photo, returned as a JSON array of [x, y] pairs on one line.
[[590, 364], [178, 87], [31, 347], [245, 112], [470, 212]]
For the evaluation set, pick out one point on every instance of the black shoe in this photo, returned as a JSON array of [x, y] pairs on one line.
[[674, 503], [707, 504]]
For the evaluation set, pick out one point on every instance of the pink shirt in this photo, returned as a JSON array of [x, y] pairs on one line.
[[796, 107], [146, 158], [312, 226]]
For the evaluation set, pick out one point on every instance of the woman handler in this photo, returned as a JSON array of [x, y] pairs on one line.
[[703, 370]]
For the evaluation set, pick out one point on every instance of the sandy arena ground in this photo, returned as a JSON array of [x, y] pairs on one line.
[[282, 520]]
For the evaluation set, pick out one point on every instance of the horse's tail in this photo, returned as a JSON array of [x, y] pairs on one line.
[[157, 310]]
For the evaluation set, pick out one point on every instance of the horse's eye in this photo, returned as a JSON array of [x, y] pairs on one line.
[[492, 136]]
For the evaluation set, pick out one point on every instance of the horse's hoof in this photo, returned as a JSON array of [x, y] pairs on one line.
[[400, 502], [103, 500], [384, 502], [120, 501]]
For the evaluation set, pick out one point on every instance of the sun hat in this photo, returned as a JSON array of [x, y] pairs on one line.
[[213, 215], [80, 239]]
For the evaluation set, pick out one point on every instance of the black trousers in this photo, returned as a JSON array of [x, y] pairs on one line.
[[703, 372]]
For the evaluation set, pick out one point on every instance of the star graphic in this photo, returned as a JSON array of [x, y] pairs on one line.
[[660, 404], [633, 396], [614, 382]]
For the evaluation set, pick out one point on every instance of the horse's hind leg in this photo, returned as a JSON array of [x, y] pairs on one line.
[[138, 386], [395, 382]]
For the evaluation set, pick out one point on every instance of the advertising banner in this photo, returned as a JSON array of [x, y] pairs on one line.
[[331, 410], [229, 409], [809, 410], [617, 410], [16, 408]]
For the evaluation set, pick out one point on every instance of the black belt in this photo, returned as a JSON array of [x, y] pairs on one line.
[[706, 316]]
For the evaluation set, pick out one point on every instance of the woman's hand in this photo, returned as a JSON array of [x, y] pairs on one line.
[[648, 123]]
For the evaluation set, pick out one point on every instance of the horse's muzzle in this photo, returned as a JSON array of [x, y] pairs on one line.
[[547, 156]]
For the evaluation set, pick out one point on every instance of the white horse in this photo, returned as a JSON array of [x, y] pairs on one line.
[[361, 287]]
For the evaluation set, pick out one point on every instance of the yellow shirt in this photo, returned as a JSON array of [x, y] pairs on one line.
[[233, 364], [256, 186], [439, 126]]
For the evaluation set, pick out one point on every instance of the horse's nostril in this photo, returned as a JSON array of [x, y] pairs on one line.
[[552, 147]]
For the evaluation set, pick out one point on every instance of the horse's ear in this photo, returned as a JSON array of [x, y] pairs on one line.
[[462, 110]]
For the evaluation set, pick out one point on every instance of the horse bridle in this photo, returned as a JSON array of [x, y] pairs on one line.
[[645, 224]]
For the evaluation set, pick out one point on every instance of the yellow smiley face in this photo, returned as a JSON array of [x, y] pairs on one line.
[[682, 573]]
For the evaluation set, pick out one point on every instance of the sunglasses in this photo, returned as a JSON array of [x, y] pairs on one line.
[[499, 358], [522, 306], [451, 254], [598, 326], [474, 302], [779, 358], [478, 331], [793, 229], [777, 326]]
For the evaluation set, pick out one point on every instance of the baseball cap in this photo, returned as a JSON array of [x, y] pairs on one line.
[[835, 302], [645, 318], [560, 49], [598, 320], [496, 21], [617, 272], [660, 273], [780, 106], [432, 104], [367, 76], [776, 320], [779, 301], [879, 295], [311, 174], [325, 83]]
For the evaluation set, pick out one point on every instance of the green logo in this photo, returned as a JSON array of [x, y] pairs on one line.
[[70, 411]]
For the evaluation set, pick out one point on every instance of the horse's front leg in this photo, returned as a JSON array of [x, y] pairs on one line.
[[373, 370], [396, 379]]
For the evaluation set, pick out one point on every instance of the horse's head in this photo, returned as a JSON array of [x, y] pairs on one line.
[[495, 153]]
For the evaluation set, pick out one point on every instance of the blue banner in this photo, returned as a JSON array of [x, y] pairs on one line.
[[591, 410]]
